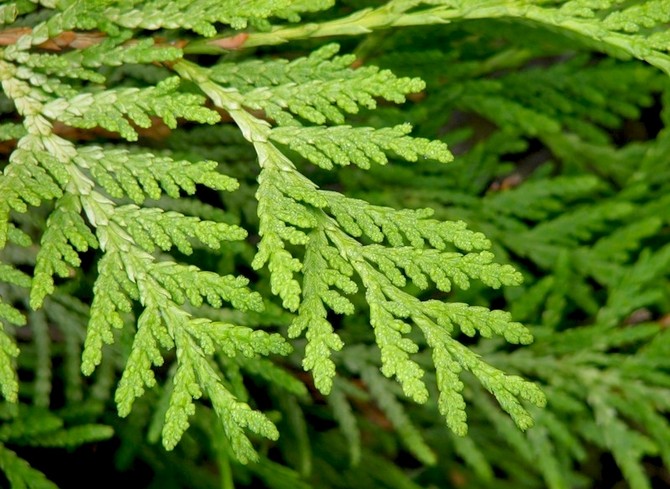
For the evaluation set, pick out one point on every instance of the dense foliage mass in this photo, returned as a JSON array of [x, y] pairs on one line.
[[295, 244]]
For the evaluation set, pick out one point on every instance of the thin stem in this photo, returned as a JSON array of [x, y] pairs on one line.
[[255, 130], [371, 19], [358, 23]]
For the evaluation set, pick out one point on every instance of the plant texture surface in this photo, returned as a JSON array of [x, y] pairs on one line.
[[303, 244]]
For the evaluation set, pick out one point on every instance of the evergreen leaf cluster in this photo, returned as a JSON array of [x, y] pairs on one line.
[[439, 235]]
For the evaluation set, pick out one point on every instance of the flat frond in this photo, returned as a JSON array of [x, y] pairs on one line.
[[11, 314], [121, 121], [190, 283], [344, 145], [248, 75], [111, 301], [142, 175], [202, 16], [66, 236], [9, 382], [153, 228], [318, 95], [231, 339], [324, 269], [51, 65], [145, 353], [23, 182], [196, 376], [116, 52], [401, 227], [395, 349], [281, 219], [115, 109]]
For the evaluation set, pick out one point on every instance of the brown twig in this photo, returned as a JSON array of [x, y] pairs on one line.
[[156, 132], [64, 40], [232, 42]]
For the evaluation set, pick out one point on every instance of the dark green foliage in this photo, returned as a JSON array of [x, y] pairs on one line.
[[430, 251]]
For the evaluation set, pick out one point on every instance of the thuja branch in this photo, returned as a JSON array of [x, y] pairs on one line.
[[610, 36]]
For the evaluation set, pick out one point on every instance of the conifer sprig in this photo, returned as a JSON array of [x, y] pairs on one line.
[[323, 146], [125, 235], [394, 301], [293, 211]]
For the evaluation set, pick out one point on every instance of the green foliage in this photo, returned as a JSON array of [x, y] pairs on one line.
[[303, 268], [114, 110], [324, 146]]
